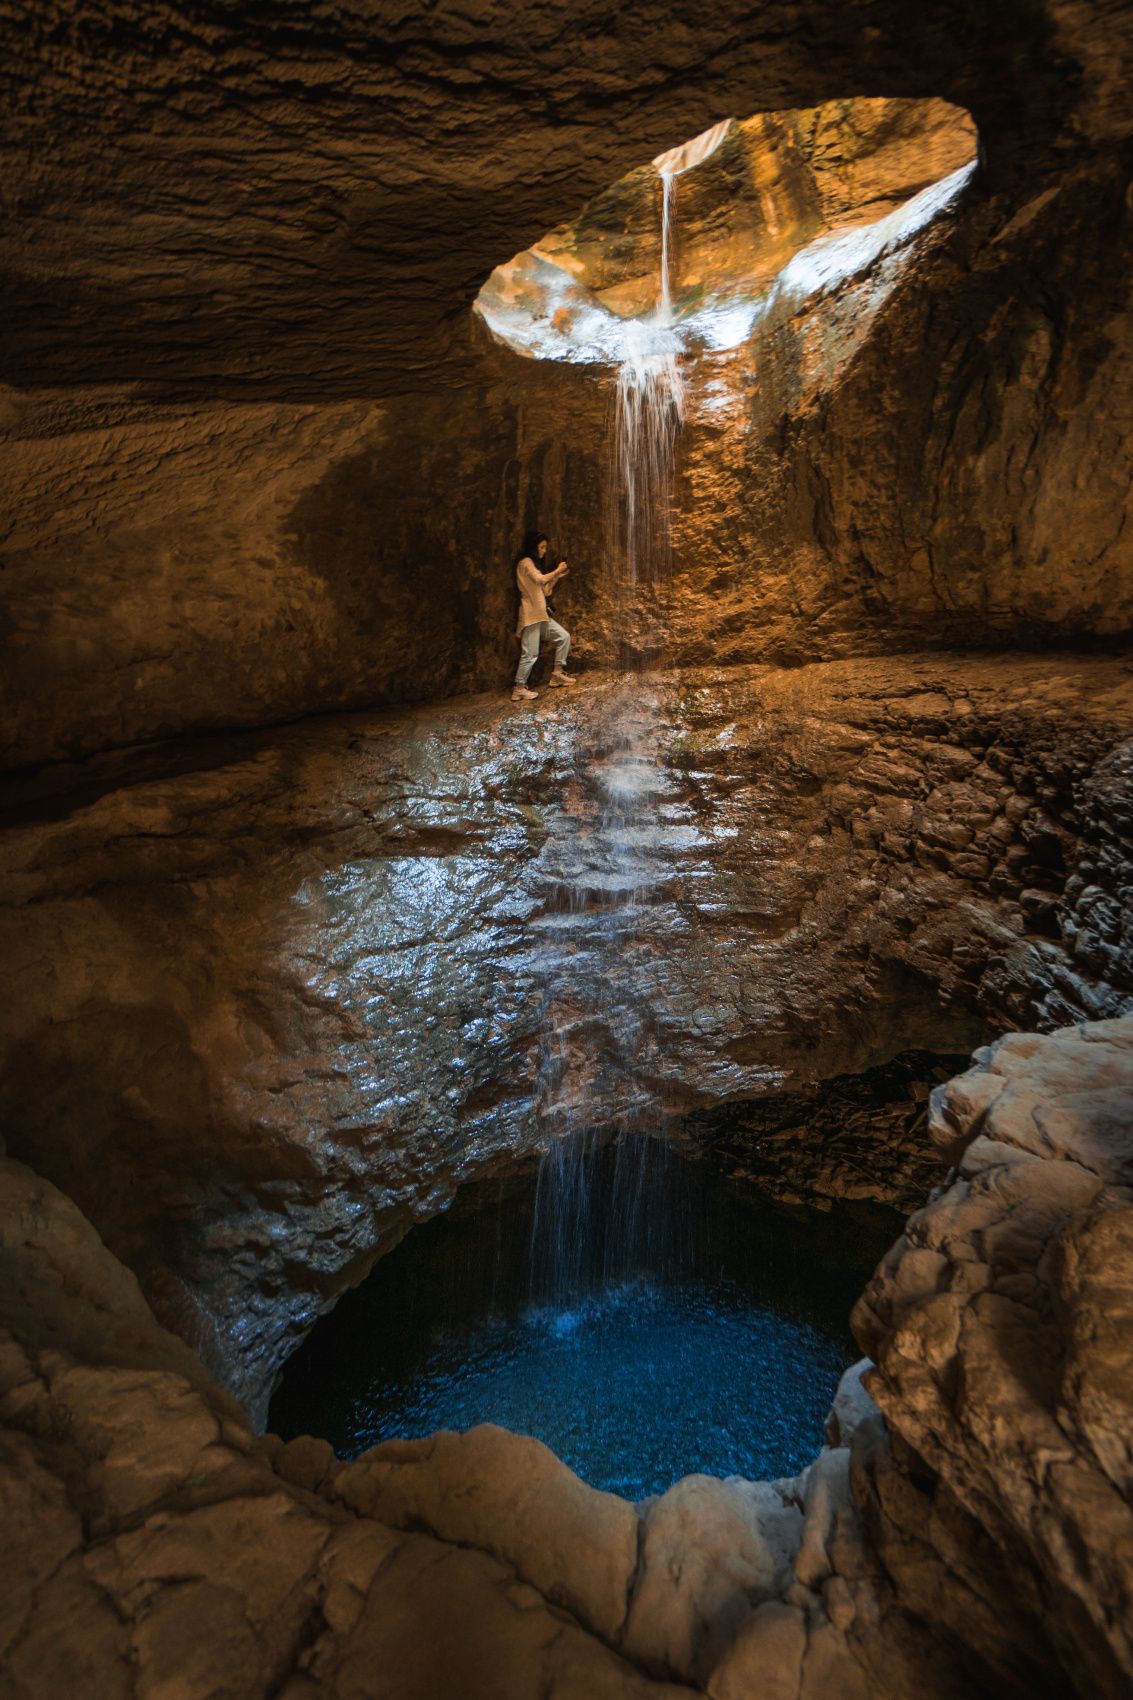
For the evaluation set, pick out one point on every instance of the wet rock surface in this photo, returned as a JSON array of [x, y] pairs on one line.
[[280, 995], [969, 1538], [862, 1136], [276, 995]]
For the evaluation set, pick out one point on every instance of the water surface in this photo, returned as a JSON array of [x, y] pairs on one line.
[[711, 1339]]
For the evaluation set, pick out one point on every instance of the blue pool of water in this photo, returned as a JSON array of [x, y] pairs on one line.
[[714, 1344], [632, 1387]]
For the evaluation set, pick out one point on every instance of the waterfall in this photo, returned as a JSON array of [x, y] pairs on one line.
[[668, 190], [602, 1214], [648, 409], [607, 1213]]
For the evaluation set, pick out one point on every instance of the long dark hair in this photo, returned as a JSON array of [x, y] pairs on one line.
[[531, 542]]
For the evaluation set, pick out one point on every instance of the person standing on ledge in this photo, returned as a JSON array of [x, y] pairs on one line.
[[535, 622]]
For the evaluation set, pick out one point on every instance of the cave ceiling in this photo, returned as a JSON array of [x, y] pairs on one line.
[[298, 202]]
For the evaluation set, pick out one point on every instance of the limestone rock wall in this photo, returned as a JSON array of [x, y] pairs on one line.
[[154, 1542], [991, 501], [999, 1326], [290, 206], [922, 440], [238, 563], [233, 563]]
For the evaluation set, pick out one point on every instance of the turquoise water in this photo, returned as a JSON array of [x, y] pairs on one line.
[[727, 1368]]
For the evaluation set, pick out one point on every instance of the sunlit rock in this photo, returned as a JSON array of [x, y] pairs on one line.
[[767, 214]]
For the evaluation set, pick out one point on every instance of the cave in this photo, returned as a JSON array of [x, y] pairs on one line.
[[594, 1173]]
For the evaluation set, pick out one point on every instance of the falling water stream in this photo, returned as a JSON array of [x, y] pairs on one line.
[[648, 410], [710, 1339], [614, 870], [668, 189]]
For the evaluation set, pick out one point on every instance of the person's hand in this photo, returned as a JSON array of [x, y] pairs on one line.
[[563, 568]]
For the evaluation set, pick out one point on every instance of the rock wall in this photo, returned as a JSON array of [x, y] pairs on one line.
[[286, 207], [280, 994], [260, 463], [232, 563], [991, 504], [923, 438], [999, 1324], [236, 563], [933, 1546]]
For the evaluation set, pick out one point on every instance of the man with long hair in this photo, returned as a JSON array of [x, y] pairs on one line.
[[535, 622]]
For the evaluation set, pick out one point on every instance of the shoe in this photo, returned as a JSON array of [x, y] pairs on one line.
[[520, 693], [560, 678]]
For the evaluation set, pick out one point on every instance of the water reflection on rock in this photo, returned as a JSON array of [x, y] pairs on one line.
[[339, 949]]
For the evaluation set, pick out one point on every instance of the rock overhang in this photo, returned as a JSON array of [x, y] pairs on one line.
[[233, 207]]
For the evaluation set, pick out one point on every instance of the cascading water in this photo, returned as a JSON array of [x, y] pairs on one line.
[[728, 1368], [610, 879], [609, 873], [648, 409]]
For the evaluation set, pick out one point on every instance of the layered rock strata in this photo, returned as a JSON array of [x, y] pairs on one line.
[[280, 995], [972, 1538], [857, 1136]]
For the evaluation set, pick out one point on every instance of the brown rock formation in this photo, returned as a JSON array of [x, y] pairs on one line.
[[999, 1325], [275, 1006], [250, 435], [276, 994], [153, 1547], [233, 207], [934, 1547]]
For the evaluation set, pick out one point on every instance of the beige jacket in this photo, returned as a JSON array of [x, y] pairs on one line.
[[532, 599]]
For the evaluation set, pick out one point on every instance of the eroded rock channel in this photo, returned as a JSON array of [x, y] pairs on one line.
[[945, 836]]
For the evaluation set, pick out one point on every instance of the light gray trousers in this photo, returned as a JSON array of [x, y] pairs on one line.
[[529, 646]]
